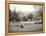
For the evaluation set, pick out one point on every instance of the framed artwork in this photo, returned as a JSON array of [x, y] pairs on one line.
[[24, 17]]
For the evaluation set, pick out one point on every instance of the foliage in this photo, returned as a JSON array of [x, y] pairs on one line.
[[30, 16], [24, 18]]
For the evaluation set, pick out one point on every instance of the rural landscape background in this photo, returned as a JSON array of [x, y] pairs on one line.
[[25, 18]]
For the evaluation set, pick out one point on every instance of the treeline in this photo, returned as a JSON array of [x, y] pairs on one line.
[[14, 16]]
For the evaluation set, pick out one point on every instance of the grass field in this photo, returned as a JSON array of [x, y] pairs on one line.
[[27, 26]]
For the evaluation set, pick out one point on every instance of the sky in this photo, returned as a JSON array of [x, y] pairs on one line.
[[24, 9]]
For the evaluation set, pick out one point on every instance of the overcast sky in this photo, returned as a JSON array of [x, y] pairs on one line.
[[26, 9]]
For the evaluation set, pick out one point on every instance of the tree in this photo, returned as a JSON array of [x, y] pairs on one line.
[[41, 14], [30, 16], [15, 16], [10, 13], [24, 18]]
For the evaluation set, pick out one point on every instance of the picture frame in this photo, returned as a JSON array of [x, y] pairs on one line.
[[7, 25]]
